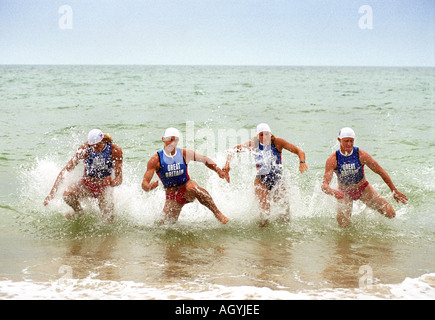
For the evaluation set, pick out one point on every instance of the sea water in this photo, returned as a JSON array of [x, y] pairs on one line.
[[47, 111]]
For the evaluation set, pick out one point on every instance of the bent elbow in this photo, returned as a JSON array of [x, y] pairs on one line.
[[146, 187]]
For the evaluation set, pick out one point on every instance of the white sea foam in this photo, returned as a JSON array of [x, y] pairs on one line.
[[236, 199], [421, 288]]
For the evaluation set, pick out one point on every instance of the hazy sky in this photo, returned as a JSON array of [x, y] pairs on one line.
[[218, 32]]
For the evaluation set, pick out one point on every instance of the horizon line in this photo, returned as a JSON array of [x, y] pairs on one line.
[[214, 65]]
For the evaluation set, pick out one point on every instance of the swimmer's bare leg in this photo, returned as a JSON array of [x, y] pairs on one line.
[[106, 206], [375, 201], [280, 194], [194, 191], [263, 197], [344, 211], [71, 196], [171, 212]]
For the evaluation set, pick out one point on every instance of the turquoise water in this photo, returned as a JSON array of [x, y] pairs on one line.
[[47, 112]]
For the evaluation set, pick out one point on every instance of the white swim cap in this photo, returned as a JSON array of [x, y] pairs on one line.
[[95, 136], [263, 127], [346, 132], [171, 132]]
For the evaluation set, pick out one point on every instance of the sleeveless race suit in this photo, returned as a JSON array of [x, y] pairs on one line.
[[269, 165], [173, 173], [350, 171], [99, 166]]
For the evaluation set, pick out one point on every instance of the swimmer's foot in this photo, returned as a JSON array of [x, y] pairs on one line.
[[222, 218], [285, 218], [74, 214], [263, 223], [108, 217]]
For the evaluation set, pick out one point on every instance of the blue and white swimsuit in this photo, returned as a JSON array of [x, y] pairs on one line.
[[269, 165], [99, 164], [173, 170], [349, 169]]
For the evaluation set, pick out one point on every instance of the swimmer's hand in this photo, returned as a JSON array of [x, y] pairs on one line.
[[303, 167], [226, 168], [399, 196], [48, 199], [154, 185], [223, 174], [338, 194]]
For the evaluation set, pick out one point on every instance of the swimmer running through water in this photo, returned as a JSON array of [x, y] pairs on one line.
[[268, 157], [348, 164], [101, 158], [170, 164]]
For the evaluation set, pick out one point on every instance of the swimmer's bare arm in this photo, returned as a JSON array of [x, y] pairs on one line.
[[117, 157], [152, 166], [367, 159], [241, 147], [330, 166], [283, 144], [72, 163], [192, 155]]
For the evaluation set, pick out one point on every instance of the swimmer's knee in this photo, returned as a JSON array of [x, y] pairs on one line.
[[107, 207], [67, 196], [387, 210], [196, 191], [191, 187], [343, 222], [71, 193]]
